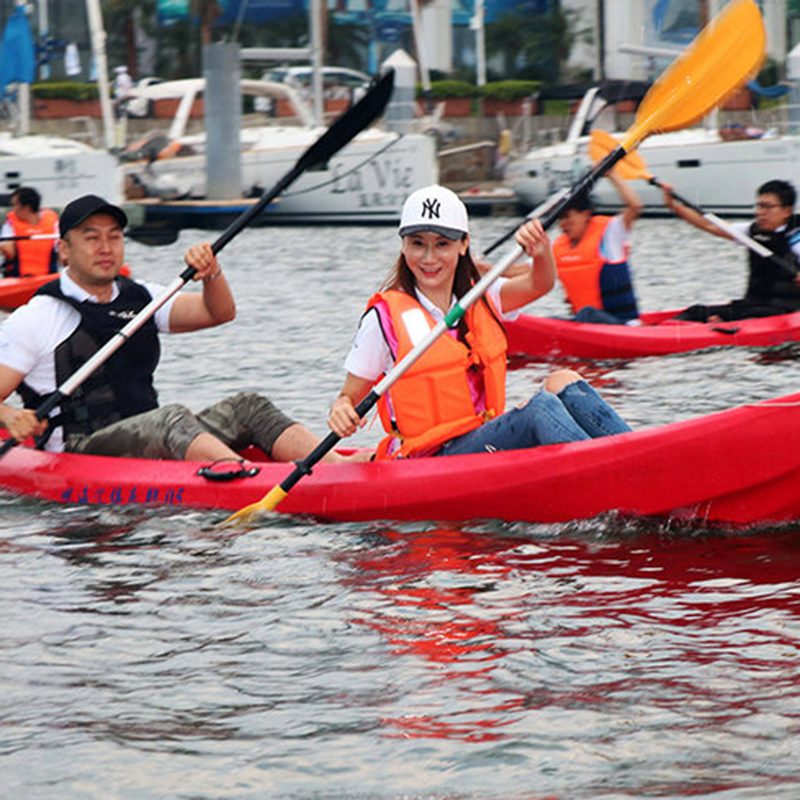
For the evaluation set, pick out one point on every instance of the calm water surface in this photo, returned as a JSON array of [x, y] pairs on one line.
[[149, 655]]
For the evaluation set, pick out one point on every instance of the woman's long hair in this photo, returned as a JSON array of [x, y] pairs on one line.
[[401, 278]]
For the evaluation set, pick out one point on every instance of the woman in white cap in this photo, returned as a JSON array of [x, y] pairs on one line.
[[452, 399]]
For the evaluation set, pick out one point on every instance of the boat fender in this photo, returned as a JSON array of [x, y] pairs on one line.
[[213, 473]]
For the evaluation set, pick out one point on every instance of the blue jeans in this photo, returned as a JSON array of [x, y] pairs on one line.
[[577, 412], [598, 316]]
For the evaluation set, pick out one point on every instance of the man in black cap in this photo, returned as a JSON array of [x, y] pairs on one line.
[[115, 411]]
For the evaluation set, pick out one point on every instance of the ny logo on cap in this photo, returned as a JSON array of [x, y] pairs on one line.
[[431, 208]]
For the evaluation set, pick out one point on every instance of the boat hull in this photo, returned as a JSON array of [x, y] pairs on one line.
[[60, 169], [366, 182], [689, 470], [547, 337], [717, 175]]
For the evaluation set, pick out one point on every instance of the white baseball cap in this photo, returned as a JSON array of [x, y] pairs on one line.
[[436, 209]]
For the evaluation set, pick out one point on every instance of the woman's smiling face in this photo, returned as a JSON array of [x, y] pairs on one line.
[[432, 259]]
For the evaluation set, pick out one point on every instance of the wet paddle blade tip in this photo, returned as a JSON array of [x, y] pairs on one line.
[[249, 514]]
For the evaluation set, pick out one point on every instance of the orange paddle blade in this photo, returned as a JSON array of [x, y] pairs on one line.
[[629, 168], [727, 53]]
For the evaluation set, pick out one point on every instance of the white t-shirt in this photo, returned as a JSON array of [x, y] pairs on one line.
[[614, 244], [370, 356], [30, 336]]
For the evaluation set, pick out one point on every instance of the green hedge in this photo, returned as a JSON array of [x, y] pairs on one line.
[[65, 90], [497, 90], [441, 90], [509, 90]]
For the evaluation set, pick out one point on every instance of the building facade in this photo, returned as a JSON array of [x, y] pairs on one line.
[[447, 30]]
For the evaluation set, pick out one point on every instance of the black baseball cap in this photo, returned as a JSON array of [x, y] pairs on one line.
[[82, 208]]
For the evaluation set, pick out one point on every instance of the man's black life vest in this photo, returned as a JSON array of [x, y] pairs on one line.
[[123, 385], [768, 281]]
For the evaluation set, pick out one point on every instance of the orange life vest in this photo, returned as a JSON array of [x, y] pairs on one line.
[[579, 266], [432, 403], [591, 280], [34, 256]]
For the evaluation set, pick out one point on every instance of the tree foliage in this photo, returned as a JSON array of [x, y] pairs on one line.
[[534, 46]]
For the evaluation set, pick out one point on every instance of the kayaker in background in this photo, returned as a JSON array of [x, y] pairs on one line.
[[592, 258], [770, 289], [27, 218], [115, 411], [452, 399]]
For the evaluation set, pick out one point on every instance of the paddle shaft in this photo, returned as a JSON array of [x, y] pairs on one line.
[[348, 125], [740, 236], [542, 208], [30, 238]]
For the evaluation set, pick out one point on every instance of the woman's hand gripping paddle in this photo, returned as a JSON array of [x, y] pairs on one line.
[[633, 166], [724, 55], [345, 128], [728, 52]]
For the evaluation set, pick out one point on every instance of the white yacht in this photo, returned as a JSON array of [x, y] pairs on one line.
[[718, 167], [366, 181]]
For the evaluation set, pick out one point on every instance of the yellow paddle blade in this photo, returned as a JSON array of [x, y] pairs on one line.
[[268, 502], [629, 168], [726, 53]]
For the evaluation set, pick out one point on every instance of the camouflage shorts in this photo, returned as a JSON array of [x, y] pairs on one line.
[[239, 421]]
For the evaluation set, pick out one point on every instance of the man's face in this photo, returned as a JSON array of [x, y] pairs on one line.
[[574, 223], [94, 251], [771, 214]]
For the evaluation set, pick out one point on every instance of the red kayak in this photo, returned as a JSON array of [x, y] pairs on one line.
[[15, 292], [740, 466], [658, 334]]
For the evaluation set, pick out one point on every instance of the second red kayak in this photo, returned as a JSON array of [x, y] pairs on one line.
[[15, 292], [657, 334]]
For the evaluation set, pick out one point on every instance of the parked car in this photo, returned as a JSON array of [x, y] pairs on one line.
[[337, 82]]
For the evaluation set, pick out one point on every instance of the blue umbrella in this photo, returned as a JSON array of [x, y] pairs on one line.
[[17, 54]]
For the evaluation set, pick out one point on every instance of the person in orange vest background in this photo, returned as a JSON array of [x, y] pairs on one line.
[[451, 400], [592, 258], [34, 255]]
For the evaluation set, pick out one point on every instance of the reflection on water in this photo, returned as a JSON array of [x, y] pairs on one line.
[[395, 661], [148, 654]]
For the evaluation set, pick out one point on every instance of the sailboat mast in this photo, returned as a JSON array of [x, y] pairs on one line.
[[419, 41], [316, 11], [98, 38]]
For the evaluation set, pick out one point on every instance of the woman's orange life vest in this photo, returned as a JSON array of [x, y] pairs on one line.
[[34, 256], [431, 402], [591, 280]]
